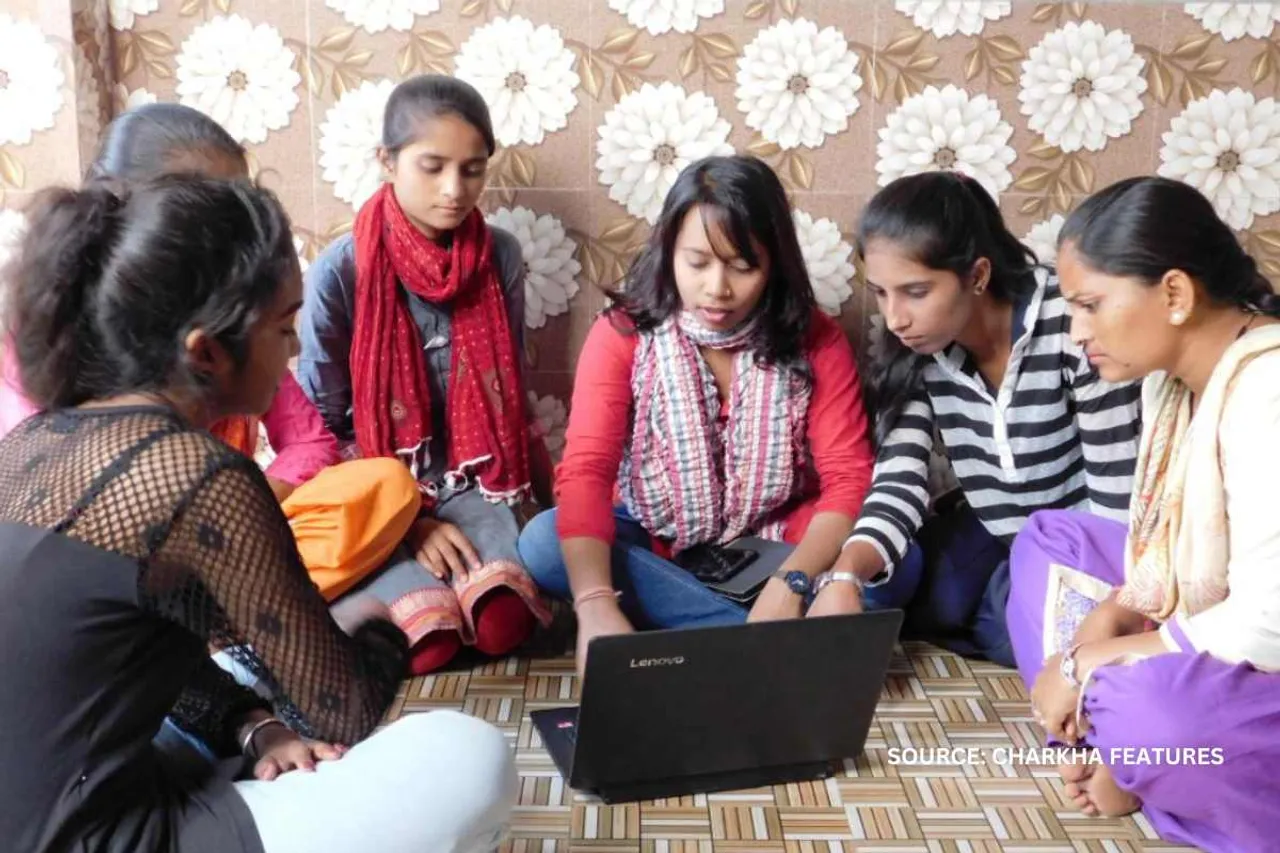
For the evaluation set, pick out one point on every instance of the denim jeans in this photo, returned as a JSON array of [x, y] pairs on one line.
[[656, 593], [953, 584]]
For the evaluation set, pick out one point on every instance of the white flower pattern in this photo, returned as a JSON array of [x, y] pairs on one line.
[[947, 17], [550, 419], [1228, 146], [13, 225], [123, 100], [31, 80], [661, 16], [550, 279], [649, 137], [795, 82], [239, 74], [1082, 85], [947, 129], [349, 139], [1236, 20], [375, 16], [827, 259], [525, 74], [122, 13], [798, 85], [1043, 239]]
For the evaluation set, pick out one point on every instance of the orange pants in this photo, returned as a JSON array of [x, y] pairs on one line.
[[349, 518]]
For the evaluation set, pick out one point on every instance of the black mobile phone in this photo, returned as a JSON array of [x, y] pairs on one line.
[[714, 564]]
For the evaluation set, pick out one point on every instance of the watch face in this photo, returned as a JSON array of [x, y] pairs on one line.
[[798, 582]]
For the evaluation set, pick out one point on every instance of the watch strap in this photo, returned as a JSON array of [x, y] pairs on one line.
[[786, 575]]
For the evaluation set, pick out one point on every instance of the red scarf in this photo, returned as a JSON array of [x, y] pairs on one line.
[[485, 410]]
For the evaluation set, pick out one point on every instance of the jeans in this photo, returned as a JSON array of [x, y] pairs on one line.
[[953, 584], [656, 593]]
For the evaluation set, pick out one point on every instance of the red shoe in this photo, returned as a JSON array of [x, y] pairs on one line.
[[434, 651], [503, 622]]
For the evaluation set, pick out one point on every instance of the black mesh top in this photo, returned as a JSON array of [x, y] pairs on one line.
[[130, 544]]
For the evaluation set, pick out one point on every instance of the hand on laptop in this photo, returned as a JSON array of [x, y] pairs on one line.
[[776, 601], [600, 617]]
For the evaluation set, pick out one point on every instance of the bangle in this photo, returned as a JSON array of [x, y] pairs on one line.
[[1067, 666], [246, 745], [825, 580], [592, 594]]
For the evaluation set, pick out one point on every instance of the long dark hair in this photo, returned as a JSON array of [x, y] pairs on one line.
[[741, 198], [143, 142], [943, 221], [427, 96], [109, 281], [1144, 227]]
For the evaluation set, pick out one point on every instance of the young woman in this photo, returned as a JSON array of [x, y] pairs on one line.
[[977, 362], [1180, 647], [131, 540], [412, 350], [721, 403], [347, 519]]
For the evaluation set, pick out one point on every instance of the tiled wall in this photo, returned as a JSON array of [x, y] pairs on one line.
[[1043, 102]]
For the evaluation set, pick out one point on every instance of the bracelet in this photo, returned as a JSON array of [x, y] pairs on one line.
[[246, 745], [1067, 666], [592, 594], [825, 580]]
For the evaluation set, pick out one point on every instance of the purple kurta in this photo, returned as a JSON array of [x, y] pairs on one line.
[[1224, 797]]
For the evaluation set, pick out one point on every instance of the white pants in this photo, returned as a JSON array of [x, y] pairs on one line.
[[438, 782]]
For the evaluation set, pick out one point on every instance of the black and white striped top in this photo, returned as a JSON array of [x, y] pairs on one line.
[[1054, 436]]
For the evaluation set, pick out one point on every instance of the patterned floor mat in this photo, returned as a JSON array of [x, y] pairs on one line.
[[1004, 801]]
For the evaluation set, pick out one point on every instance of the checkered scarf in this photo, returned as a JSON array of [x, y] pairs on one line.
[[684, 476]]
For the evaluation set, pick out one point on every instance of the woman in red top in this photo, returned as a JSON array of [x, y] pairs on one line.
[[716, 401]]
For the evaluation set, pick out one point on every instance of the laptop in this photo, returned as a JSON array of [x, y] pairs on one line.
[[745, 585], [680, 712]]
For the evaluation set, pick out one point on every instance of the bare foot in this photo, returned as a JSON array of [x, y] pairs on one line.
[[1106, 796], [1076, 776]]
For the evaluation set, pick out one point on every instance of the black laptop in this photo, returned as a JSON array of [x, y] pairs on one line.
[[673, 713]]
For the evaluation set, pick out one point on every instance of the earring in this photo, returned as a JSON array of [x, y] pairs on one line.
[[1177, 318]]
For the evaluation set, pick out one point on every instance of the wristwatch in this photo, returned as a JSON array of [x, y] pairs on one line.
[[796, 581], [827, 578]]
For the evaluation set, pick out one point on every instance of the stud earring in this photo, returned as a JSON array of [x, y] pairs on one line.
[[1177, 318]]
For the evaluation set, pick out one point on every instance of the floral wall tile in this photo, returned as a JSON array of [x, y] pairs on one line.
[[597, 104]]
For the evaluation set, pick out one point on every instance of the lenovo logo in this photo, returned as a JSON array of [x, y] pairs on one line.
[[676, 661]]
